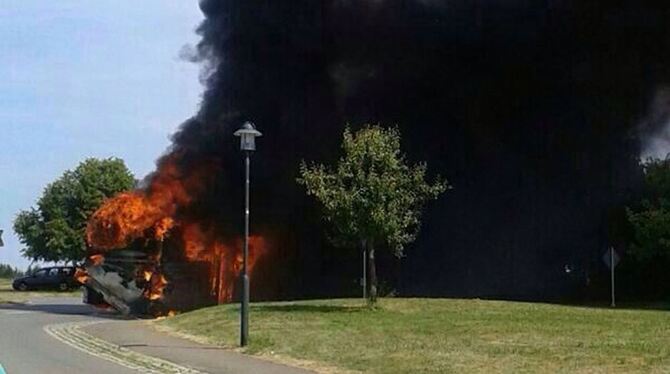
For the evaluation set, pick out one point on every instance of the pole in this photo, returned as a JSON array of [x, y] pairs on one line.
[[244, 310], [612, 274]]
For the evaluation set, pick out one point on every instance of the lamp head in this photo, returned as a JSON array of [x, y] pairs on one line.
[[248, 134]]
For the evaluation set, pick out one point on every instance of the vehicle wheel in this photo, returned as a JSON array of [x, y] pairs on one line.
[[63, 287], [92, 297], [22, 287]]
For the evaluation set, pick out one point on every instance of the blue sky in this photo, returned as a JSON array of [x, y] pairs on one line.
[[88, 79]]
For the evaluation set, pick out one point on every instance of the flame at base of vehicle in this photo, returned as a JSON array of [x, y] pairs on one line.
[[154, 282]]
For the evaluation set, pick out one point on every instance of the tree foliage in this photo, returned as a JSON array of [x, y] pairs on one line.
[[54, 230], [8, 272], [373, 195], [651, 219]]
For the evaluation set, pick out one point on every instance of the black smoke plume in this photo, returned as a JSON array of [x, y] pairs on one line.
[[529, 108]]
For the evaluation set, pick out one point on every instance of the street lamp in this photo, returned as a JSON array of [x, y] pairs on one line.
[[247, 134]]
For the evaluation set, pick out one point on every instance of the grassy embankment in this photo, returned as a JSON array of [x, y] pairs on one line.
[[443, 335], [8, 295]]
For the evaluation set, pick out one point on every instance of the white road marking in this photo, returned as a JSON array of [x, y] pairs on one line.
[[72, 335]]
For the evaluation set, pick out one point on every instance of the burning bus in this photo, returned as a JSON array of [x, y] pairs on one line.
[[147, 256]]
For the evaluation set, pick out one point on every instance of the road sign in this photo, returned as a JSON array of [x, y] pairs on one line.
[[611, 257]]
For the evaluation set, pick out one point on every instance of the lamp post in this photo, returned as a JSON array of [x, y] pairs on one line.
[[247, 134]]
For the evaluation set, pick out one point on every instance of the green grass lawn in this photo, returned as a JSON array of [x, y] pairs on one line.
[[8, 295], [444, 335]]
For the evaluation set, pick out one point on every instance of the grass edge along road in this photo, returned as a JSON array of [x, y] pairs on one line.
[[442, 335], [9, 296]]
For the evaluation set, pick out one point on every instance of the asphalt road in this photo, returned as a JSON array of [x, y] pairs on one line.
[[26, 348], [62, 335]]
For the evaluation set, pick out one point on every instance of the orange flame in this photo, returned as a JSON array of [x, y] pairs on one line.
[[196, 242], [96, 259], [129, 215], [226, 261], [229, 271], [162, 228], [154, 213], [81, 275], [157, 286], [121, 220]]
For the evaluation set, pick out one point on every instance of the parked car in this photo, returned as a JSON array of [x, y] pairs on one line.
[[58, 277]]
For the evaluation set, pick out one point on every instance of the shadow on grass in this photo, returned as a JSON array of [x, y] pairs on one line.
[[641, 305], [303, 308], [632, 306]]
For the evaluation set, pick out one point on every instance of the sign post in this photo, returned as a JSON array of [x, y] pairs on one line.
[[611, 259]]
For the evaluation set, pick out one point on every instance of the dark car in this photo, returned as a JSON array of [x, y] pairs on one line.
[[59, 277]]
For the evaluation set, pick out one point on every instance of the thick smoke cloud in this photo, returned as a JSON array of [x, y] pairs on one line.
[[655, 127], [530, 108]]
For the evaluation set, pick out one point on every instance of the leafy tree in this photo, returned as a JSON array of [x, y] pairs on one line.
[[29, 227], [651, 219], [372, 196], [7, 271], [54, 231], [32, 269]]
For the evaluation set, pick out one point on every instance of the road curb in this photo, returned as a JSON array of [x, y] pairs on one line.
[[72, 334]]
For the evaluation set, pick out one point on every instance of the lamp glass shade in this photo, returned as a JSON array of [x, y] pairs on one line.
[[248, 134], [248, 142]]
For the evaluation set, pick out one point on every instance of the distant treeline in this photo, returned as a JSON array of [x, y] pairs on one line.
[[7, 271]]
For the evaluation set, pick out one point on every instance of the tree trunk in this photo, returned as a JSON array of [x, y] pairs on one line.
[[365, 269], [372, 295]]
